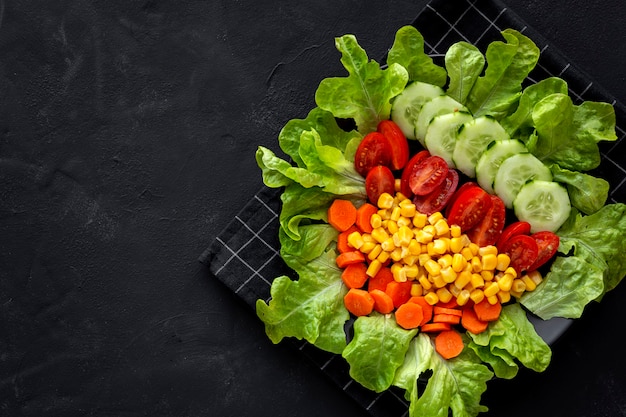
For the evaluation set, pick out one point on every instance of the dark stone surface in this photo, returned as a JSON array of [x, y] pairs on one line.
[[127, 139]]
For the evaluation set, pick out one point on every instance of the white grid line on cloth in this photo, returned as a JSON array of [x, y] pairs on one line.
[[452, 26], [492, 23]]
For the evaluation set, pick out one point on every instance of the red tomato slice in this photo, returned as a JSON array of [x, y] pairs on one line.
[[469, 207], [514, 229], [456, 194], [437, 200], [398, 142], [379, 180], [547, 244], [373, 150], [408, 169], [489, 229], [428, 175], [523, 251]]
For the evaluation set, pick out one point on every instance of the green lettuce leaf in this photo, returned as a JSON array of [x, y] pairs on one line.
[[509, 339], [377, 350], [520, 123], [456, 384], [408, 50], [366, 93], [310, 308], [595, 120], [464, 64], [508, 64], [586, 192], [302, 205]]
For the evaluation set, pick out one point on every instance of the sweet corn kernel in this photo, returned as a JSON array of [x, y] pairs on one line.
[[407, 210], [401, 197], [467, 253], [463, 297], [385, 201], [432, 267], [410, 259], [431, 298], [384, 214], [425, 283], [477, 265], [384, 256], [414, 247], [504, 296], [474, 248], [530, 284], [505, 282], [477, 295], [373, 268], [448, 275], [487, 250], [462, 279], [477, 280], [412, 270], [380, 234], [454, 290], [388, 245], [492, 299], [367, 237], [416, 290], [435, 217], [374, 252], [511, 271], [396, 255], [430, 249], [455, 230], [457, 244], [397, 184], [399, 275], [395, 214], [458, 262], [503, 262], [489, 261], [419, 220], [491, 289], [405, 235], [536, 277], [487, 275], [439, 246], [404, 221], [430, 229], [518, 285], [367, 247], [355, 240], [423, 237], [376, 221], [516, 294], [438, 281], [442, 228], [445, 260], [444, 295], [422, 258], [392, 226]]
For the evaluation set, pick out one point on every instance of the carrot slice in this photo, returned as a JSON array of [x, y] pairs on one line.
[[444, 310], [348, 258], [400, 292], [342, 240], [354, 275], [435, 327], [363, 215], [427, 308], [341, 214], [382, 302], [358, 302], [380, 280], [449, 344], [486, 311], [471, 323], [409, 315], [446, 318], [450, 304]]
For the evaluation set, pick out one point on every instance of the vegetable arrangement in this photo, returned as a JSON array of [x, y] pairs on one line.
[[456, 200]]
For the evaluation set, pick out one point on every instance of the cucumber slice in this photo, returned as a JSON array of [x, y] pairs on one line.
[[473, 139], [442, 133], [514, 172], [490, 161], [543, 204], [431, 109], [407, 105]]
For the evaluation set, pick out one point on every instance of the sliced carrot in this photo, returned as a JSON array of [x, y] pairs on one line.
[[363, 215], [358, 302], [446, 318], [427, 308], [380, 280], [382, 302], [348, 258], [342, 240], [486, 311], [435, 327], [449, 344], [409, 315], [444, 310], [450, 304], [354, 275], [341, 214], [400, 292], [471, 323]]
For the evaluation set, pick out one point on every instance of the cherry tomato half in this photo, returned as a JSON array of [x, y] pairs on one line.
[[488, 230], [469, 207], [408, 169], [428, 175], [523, 251], [398, 142], [514, 229], [373, 150], [379, 180], [437, 200], [456, 194], [547, 244]]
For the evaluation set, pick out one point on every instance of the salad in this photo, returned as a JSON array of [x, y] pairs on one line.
[[528, 148]]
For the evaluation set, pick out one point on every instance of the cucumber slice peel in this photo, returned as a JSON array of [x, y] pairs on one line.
[[514, 172], [442, 132], [473, 140], [489, 162], [543, 204]]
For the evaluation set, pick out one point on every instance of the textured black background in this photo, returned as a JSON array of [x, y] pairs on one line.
[[127, 139]]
